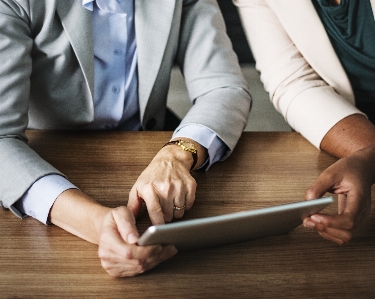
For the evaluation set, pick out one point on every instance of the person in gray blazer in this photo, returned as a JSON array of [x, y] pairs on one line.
[[95, 64]]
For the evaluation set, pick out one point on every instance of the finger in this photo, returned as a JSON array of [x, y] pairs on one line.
[[338, 238], [167, 252], [179, 202], [178, 210], [112, 244], [134, 202], [342, 221], [114, 249], [357, 207], [125, 222], [190, 193], [337, 235], [341, 203], [324, 183], [154, 207], [144, 258]]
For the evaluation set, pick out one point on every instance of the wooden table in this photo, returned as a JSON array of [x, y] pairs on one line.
[[39, 261]]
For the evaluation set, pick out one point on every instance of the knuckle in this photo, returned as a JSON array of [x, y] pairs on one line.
[[193, 183], [347, 238], [110, 269], [102, 253], [127, 253], [140, 266], [113, 272], [350, 224]]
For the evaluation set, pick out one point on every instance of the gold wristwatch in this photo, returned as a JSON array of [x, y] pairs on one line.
[[186, 146]]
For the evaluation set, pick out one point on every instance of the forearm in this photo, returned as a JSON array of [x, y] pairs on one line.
[[349, 135], [78, 214]]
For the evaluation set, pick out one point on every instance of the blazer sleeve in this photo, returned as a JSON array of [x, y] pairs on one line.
[[20, 165], [306, 101], [214, 80]]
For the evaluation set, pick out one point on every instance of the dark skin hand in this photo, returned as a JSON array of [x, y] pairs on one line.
[[351, 177]]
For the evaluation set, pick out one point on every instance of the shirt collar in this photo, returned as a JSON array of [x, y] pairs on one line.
[[88, 4], [111, 6]]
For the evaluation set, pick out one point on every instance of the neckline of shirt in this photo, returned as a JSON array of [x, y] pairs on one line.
[[109, 6]]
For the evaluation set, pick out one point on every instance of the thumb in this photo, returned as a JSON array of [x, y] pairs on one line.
[[125, 222], [323, 184]]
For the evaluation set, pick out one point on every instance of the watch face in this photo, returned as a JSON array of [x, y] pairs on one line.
[[186, 145]]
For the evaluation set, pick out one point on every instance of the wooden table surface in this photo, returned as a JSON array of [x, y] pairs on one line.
[[266, 169]]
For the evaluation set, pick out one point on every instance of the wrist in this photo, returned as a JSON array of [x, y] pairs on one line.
[[78, 214], [186, 146], [172, 153], [367, 154], [98, 220]]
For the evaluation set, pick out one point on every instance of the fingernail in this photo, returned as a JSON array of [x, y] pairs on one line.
[[316, 218], [308, 223], [133, 238], [172, 249]]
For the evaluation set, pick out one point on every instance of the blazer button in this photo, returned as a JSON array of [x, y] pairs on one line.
[[151, 123]]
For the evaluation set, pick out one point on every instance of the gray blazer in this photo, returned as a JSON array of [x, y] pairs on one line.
[[47, 75]]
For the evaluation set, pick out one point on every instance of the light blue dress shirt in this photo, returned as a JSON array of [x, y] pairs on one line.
[[115, 97]]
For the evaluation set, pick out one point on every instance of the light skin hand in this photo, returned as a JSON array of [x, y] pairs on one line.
[[351, 178], [113, 230], [118, 252], [165, 183]]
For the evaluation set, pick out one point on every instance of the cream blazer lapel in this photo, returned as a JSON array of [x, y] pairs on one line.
[[303, 25], [77, 23], [373, 7], [153, 21]]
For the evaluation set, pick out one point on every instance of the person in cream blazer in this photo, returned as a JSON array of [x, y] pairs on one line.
[[308, 85], [47, 82]]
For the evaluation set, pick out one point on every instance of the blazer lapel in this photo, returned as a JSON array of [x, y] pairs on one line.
[[373, 7], [77, 23], [153, 20], [303, 25]]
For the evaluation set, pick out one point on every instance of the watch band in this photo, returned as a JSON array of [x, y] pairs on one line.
[[186, 146]]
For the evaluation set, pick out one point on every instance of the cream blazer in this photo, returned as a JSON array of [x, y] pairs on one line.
[[299, 67]]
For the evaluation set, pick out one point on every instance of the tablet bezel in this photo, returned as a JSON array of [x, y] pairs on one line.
[[234, 227]]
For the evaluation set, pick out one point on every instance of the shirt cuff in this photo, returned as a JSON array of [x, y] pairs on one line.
[[208, 139], [39, 198]]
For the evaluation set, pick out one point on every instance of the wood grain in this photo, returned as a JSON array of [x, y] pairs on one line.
[[266, 169]]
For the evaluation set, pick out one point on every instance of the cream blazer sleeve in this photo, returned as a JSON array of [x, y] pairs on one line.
[[308, 103]]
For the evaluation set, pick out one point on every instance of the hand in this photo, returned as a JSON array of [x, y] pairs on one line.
[[165, 183], [118, 252], [351, 178]]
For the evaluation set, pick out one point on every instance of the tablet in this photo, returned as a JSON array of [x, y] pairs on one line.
[[235, 227]]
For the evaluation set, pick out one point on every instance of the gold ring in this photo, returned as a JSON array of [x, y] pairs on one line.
[[178, 208]]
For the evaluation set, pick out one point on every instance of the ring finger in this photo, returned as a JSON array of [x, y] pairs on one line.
[[179, 207]]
